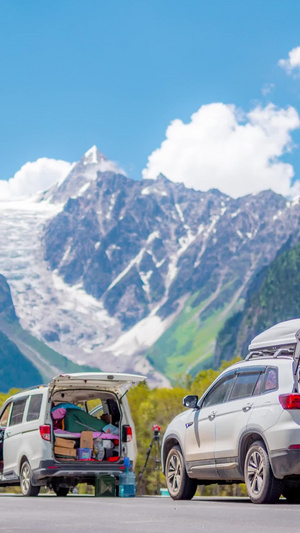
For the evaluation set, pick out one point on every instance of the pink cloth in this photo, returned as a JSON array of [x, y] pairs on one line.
[[62, 432], [59, 413]]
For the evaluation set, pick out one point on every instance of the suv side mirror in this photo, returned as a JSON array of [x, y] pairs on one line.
[[190, 401]]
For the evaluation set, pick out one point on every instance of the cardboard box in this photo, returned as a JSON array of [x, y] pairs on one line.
[[86, 439], [64, 443], [67, 452], [107, 418]]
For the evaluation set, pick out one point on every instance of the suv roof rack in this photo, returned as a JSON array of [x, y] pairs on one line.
[[287, 351]]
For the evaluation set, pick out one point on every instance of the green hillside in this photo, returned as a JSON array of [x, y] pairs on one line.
[[47, 361], [187, 346], [15, 369], [24, 360], [273, 297]]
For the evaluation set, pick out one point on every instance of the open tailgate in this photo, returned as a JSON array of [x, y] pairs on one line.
[[115, 382]]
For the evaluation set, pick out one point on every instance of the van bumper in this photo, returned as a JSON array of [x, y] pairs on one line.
[[83, 472]]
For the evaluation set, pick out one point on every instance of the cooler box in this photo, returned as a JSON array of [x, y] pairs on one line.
[[84, 453], [105, 486]]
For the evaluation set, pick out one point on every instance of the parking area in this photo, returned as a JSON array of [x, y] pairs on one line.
[[78, 514]]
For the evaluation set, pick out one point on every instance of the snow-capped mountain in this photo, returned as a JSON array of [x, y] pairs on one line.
[[101, 266]]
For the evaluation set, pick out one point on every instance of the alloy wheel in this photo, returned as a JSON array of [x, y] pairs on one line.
[[174, 474], [255, 472], [25, 478]]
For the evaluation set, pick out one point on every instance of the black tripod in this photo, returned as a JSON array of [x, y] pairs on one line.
[[156, 445]]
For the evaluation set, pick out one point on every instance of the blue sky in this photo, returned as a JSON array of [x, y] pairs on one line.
[[77, 73]]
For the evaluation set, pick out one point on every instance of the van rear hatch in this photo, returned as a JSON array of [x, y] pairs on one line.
[[113, 382]]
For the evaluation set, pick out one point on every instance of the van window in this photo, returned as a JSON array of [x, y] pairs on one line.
[[5, 415], [95, 408], [34, 407], [17, 412], [244, 386]]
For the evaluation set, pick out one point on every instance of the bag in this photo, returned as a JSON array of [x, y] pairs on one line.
[[77, 421]]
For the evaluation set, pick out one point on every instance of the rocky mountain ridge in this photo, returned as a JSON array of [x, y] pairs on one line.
[[271, 298], [123, 262]]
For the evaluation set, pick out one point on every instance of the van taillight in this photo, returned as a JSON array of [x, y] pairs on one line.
[[290, 401], [126, 434], [45, 432]]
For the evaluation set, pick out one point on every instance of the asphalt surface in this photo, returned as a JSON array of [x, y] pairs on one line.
[[87, 514]]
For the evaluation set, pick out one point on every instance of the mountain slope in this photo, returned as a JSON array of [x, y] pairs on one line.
[[274, 297], [25, 361], [16, 371], [136, 276]]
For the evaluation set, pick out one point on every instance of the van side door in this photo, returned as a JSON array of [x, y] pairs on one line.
[[13, 437]]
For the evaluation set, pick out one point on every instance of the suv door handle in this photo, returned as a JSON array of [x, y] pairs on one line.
[[212, 415], [8, 433], [247, 407]]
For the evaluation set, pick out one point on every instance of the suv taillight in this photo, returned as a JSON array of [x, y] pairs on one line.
[[290, 401], [45, 432], [126, 434]]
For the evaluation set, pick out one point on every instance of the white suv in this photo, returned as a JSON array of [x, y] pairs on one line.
[[245, 428], [30, 427]]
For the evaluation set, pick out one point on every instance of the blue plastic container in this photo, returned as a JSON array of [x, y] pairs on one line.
[[84, 453], [127, 481]]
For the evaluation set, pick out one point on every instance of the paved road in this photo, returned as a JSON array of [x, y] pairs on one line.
[[82, 514]]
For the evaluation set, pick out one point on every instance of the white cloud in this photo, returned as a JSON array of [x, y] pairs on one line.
[[223, 148], [34, 177], [292, 64]]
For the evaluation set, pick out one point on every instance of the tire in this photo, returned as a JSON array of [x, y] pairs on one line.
[[26, 481], [291, 492], [261, 485], [61, 491], [180, 486]]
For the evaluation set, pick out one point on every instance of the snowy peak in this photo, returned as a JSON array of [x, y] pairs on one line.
[[82, 175], [93, 156]]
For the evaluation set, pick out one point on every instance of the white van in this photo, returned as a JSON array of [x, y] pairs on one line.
[[31, 428]]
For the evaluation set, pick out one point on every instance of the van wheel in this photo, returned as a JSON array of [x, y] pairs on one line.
[[25, 481], [180, 486], [61, 491], [262, 486]]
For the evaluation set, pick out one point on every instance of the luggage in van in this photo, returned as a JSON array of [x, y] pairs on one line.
[[76, 421]]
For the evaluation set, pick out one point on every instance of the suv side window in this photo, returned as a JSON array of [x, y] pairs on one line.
[[34, 407], [244, 385], [271, 382], [220, 391], [17, 411]]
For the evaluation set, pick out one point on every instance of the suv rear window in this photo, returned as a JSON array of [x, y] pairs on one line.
[[271, 382], [17, 412], [34, 407]]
